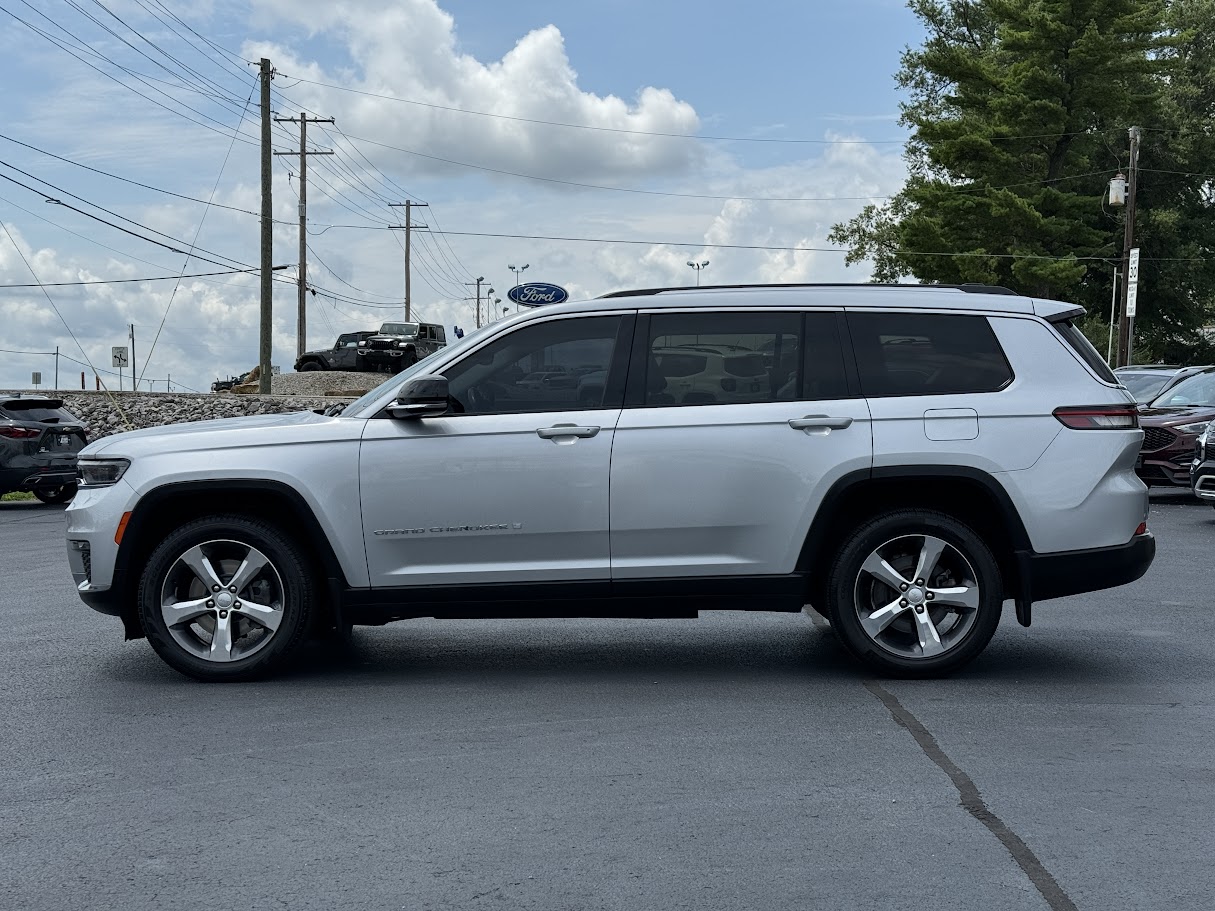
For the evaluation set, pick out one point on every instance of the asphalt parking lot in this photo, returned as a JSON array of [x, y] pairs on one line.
[[739, 761]]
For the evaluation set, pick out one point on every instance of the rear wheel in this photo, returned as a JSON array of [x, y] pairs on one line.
[[309, 365], [915, 593], [55, 495], [227, 598]]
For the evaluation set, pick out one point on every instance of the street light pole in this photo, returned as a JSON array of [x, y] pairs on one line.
[[698, 266], [518, 272]]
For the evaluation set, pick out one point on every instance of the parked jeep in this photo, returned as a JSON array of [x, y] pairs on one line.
[[344, 355], [928, 454], [400, 345]]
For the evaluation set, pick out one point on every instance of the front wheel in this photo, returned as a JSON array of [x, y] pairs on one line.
[[226, 598], [915, 593], [55, 495]]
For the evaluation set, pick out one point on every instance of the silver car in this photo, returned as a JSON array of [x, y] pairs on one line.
[[911, 458]]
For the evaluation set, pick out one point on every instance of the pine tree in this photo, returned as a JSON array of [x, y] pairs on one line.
[[1019, 112]]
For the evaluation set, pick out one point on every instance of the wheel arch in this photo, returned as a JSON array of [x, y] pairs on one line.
[[970, 495], [165, 508]]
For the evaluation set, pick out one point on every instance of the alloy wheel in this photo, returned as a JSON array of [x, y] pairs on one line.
[[917, 596], [222, 600]]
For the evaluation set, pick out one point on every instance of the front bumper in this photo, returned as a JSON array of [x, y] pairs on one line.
[[1074, 572], [1169, 465], [1202, 480]]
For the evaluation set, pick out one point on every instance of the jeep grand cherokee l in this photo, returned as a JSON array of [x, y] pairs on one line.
[[912, 457]]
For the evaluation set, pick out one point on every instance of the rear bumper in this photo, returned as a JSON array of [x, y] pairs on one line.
[[1074, 572]]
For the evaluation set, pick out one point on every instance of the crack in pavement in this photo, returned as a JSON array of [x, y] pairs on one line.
[[972, 801]]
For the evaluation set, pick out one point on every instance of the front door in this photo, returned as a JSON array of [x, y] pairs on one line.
[[735, 426], [512, 484]]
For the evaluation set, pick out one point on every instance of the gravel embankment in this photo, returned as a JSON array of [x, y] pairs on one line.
[[107, 413], [113, 412]]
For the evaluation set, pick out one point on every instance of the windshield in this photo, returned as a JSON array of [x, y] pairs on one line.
[[1143, 386], [373, 401], [399, 329], [1197, 390]]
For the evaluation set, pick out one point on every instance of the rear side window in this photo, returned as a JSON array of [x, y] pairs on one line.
[[927, 354], [1083, 347], [722, 358]]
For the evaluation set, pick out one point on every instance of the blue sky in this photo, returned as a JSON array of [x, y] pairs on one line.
[[446, 108]]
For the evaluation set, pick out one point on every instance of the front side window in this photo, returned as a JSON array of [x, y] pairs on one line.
[[927, 354], [559, 365]]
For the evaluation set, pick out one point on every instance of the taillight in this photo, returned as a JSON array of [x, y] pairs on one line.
[[1098, 417], [19, 433], [1142, 529]]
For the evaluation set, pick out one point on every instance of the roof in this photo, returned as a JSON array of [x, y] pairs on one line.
[[983, 298]]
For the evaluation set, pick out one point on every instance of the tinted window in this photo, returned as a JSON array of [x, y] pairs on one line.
[[36, 411], [1143, 386], [823, 364], [560, 365], [1083, 347], [722, 358], [927, 354]]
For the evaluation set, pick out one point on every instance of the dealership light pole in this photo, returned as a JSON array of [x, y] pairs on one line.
[[698, 266], [518, 272], [480, 278]]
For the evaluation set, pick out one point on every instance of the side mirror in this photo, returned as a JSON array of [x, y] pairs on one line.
[[422, 396]]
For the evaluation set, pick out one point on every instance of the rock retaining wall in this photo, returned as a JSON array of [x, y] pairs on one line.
[[107, 413]]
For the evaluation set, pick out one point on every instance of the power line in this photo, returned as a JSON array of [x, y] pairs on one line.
[[150, 240], [137, 76], [120, 281], [193, 243], [710, 196], [627, 132], [127, 179]]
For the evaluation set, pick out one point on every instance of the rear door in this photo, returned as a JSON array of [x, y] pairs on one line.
[[725, 481]]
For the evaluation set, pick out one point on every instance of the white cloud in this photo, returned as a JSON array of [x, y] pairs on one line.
[[409, 50]]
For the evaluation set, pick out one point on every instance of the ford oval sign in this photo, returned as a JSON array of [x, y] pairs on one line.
[[536, 294]]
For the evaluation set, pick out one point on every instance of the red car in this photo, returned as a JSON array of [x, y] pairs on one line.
[[1171, 424]]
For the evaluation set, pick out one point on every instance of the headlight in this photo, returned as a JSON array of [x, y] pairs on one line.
[[402, 344], [1196, 427], [101, 472], [361, 344]]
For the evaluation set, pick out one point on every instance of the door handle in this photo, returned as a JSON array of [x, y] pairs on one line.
[[565, 430], [820, 421]]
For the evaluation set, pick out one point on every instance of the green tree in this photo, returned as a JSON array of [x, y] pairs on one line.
[[1019, 112]]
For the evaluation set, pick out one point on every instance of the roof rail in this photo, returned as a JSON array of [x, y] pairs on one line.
[[969, 287]]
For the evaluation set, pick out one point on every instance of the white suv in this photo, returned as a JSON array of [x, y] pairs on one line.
[[908, 459]]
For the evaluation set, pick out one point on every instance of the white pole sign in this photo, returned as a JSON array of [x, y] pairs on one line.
[[119, 356], [1132, 282]]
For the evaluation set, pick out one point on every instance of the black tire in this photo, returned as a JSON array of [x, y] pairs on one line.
[[912, 630], [226, 540], [310, 365], [408, 359], [55, 495]]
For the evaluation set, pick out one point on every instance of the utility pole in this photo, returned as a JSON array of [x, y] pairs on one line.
[[56, 366], [409, 226], [301, 332], [1128, 241], [267, 309], [480, 278], [134, 384]]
